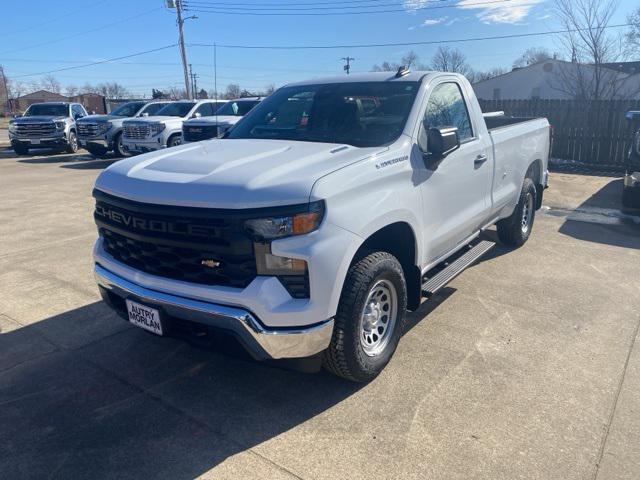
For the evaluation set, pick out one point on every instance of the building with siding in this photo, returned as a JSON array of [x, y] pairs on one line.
[[93, 102], [559, 80]]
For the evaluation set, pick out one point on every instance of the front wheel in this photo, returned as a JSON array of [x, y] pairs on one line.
[[370, 318], [515, 229], [118, 148], [174, 141], [72, 145]]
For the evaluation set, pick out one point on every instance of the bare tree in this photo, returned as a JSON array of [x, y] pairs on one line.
[[532, 56], [385, 67], [447, 59], [479, 76], [409, 60], [71, 90], [50, 84], [590, 46], [176, 93], [269, 89], [88, 88], [633, 35], [233, 91]]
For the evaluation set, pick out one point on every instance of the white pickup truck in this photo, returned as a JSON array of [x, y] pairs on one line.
[[164, 129], [329, 210], [230, 113]]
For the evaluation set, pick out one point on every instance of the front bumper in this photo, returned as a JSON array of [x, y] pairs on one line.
[[262, 342], [56, 140], [100, 141], [145, 145]]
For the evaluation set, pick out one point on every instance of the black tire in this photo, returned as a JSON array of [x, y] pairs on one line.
[[631, 197], [20, 150], [515, 229], [174, 140], [118, 149], [72, 141], [97, 152], [346, 356]]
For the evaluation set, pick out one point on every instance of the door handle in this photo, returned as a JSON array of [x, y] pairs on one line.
[[481, 158]]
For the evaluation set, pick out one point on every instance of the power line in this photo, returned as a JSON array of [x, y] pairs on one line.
[[322, 14], [401, 44], [99, 62], [188, 3], [61, 39], [287, 3]]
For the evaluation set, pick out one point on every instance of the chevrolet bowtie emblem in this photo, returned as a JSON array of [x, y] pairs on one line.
[[210, 263]]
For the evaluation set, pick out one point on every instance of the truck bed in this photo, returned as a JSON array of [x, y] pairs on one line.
[[499, 121]]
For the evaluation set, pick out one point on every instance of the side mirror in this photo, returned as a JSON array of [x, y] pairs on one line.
[[440, 142], [145, 114], [197, 115]]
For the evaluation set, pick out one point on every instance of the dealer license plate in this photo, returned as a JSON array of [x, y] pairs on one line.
[[35, 142], [144, 317]]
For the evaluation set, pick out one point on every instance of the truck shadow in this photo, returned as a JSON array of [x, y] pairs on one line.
[[602, 219], [83, 396]]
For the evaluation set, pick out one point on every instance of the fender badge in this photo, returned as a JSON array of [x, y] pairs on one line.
[[210, 263]]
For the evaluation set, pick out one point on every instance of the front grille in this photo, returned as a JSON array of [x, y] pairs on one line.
[[86, 129], [136, 131], [182, 243], [197, 133], [35, 129]]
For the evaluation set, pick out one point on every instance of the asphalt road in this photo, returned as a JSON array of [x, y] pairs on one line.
[[526, 366]]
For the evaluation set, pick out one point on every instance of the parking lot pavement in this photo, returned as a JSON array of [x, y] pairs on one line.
[[526, 366]]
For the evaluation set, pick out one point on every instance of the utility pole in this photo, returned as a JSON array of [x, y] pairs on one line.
[[347, 66], [183, 52], [6, 89]]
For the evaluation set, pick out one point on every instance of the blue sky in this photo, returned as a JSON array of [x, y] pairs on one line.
[[44, 35]]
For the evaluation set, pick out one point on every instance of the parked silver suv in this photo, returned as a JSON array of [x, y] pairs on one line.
[[101, 134], [46, 125]]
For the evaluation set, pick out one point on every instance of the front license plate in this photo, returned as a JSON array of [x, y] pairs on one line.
[[144, 317], [35, 142]]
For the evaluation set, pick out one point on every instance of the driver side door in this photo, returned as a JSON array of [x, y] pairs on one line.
[[455, 191]]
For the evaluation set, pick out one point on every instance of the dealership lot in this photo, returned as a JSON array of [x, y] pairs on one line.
[[526, 366]]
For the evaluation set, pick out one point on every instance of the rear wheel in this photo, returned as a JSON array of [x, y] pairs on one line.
[[20, 150], [370, 318], [72, 146], [515, 229]]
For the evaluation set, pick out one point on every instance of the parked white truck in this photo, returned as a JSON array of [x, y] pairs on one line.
[[100, 134], [329, 210], [230, 113], [164, 129]]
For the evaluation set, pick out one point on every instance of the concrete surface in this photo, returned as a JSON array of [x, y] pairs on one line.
[[526, 366]]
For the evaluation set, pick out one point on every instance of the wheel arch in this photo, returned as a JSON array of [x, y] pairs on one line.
[[399, 240], [536, 173]]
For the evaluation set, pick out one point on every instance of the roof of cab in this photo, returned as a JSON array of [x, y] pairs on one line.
[[411, 76]]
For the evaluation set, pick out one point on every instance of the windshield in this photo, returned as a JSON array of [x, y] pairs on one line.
[[237, 109], [48, 109], [177, 109], [366, 114], [127, 109]]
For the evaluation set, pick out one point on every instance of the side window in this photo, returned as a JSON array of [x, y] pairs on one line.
[[206, 109], [77, 111], [153, 108], [446, 108]]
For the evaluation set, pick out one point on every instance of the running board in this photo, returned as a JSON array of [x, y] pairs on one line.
[[454, 269]]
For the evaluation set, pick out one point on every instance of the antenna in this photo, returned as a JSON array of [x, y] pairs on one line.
[[402, 71]]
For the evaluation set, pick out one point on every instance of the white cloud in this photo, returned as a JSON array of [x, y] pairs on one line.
[[433, 21], [412, 5], [513, 11]]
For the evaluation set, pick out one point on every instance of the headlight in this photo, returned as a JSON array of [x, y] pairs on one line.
[[105, 127], [286, 225], [61, 125], [273, 265], [13, 127], [156, 128]]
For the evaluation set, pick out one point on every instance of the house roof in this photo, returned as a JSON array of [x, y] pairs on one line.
[[40, 93]]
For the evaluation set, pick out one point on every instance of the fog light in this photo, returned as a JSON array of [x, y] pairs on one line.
[[274, 265]]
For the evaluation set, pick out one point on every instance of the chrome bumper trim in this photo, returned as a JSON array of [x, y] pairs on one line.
[[263, 343]]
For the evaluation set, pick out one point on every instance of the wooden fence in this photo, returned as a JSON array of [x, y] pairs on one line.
[[594, 134]]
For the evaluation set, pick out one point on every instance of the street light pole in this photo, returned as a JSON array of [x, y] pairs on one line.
[[347, 66]]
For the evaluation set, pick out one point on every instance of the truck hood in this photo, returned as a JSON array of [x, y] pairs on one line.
[[229, 173], [39, 118], [159, 119], [100, 118], [219, 120]]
